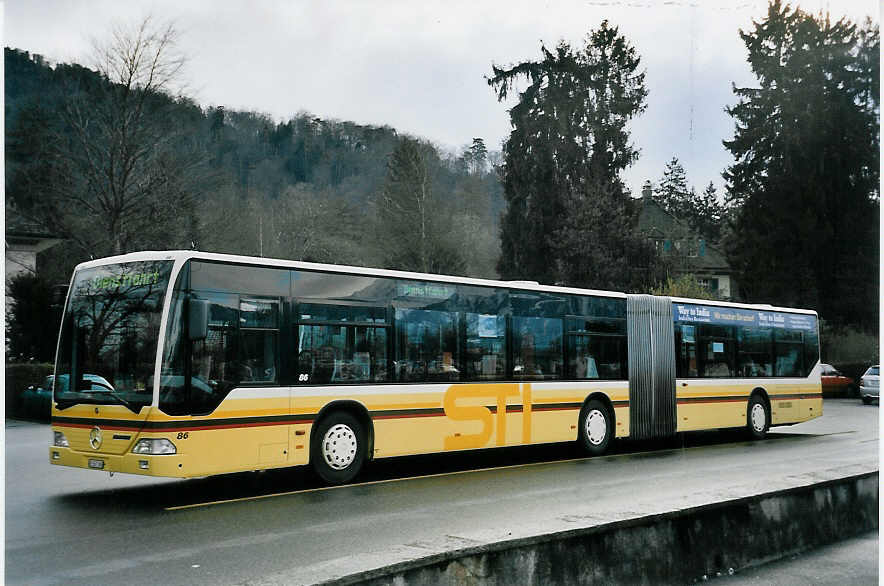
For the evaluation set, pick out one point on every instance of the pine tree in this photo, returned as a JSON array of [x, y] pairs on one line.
[[708, 213], [673, 193], [563, 159], [804, 186], [704, 213], [478, 156]]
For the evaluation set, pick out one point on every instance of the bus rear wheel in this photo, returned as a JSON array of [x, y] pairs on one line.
[[338, 448], [596, 428], [757, 417]]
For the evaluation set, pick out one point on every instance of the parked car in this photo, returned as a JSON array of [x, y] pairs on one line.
[[36, 399], [835, 383], [870, 384]]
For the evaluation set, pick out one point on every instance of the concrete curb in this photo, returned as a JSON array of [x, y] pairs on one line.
[[680, 546]]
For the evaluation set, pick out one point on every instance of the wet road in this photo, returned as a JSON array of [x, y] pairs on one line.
[[77, 526]]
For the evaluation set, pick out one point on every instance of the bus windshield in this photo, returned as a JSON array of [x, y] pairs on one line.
[[109, 335]]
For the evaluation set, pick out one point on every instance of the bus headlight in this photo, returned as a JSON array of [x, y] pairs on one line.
[[59, 440], [154, 446]]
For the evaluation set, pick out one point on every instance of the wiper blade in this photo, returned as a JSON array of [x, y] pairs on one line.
[[110, 391]]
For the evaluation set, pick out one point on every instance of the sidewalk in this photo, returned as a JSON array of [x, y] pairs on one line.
[[853, 561], [23, 422]]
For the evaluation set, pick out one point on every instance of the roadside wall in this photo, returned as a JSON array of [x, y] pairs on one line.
[[678, 547]]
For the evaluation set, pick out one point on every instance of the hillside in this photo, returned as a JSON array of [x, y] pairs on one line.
[[304, 188]]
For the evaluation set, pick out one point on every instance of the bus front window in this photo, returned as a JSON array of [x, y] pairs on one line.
[[110, 330]]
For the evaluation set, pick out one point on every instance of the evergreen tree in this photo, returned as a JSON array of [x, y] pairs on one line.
[[704, 212], [708, 213], [673, 193], [804, 186], [563, 159], [478, 156], [32, 327]]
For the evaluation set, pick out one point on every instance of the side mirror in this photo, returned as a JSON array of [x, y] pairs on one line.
[[198, 319]]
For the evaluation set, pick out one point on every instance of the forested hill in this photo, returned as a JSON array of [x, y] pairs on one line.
[[232, 181]]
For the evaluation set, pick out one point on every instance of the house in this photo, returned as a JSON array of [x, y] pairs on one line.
[[23, 241], [690, 252]]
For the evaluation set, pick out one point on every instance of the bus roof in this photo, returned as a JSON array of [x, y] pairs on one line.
[[184, 255]]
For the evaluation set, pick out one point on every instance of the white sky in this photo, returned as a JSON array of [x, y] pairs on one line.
[[419, 66]]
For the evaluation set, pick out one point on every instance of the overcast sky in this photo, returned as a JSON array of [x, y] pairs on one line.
[[419, 66]]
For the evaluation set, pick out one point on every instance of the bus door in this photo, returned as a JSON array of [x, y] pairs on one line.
[[651, 347]]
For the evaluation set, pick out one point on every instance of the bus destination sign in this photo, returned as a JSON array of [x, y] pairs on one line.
[[685, 312], [126, 280]]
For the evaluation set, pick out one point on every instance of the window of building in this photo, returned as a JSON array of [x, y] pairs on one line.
[[709, 283]]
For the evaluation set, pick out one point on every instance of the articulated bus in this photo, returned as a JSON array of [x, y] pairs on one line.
[[187, 364]]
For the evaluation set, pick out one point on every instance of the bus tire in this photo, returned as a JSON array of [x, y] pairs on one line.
[[757, 417], [338, 448], [596, 428]]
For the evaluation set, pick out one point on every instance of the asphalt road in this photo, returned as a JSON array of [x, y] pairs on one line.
[[82, 527]]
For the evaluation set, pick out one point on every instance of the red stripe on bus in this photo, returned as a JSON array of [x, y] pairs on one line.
[[698, 400], [408, 415], [226, 426]]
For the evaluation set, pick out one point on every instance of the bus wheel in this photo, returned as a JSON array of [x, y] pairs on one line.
[[757, 417], [337, 450], [596, 428]]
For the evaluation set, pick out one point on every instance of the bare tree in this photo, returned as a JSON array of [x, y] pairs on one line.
[[141, 57], [414, 222], [134, 167]]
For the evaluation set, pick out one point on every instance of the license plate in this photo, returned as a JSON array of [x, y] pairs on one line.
[[96, 464]]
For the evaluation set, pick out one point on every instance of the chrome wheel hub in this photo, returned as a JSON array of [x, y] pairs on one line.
[[596, 427], [759, 417], [339, 446]]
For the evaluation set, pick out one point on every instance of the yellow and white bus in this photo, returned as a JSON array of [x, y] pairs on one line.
[[188, 364]]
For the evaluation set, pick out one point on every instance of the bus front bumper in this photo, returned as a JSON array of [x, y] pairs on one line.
[[171, 465]]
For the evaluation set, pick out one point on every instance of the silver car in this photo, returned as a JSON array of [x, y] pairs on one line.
[[869, 385]]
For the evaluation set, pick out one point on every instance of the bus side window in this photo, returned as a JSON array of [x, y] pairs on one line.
[[341, 353], [259, 339], [717, 351], [427, 345], [213, 358], [485, 349], [596, 348], [686, 351], [789, 351], [754, 357]]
